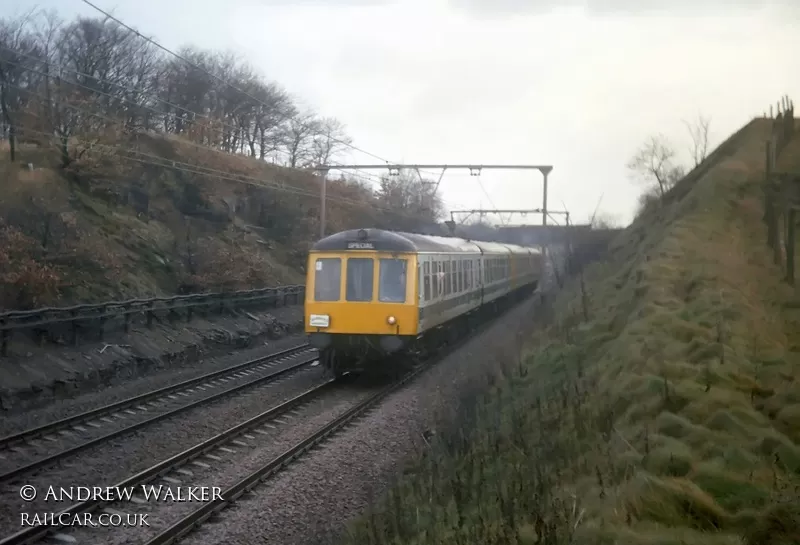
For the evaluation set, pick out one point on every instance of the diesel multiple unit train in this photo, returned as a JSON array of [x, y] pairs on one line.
[[372, 293]]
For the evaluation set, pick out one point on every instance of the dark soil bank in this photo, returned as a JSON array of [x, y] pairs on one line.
[[34, 376]]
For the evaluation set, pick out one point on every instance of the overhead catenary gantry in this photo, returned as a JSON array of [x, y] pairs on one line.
[[394, 170], [522, 211]]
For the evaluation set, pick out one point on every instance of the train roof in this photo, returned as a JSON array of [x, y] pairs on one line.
[[394, 241]]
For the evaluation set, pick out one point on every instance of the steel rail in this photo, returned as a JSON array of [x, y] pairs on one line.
[[185, 525], [128, 429], [35, 533], [39, 431]]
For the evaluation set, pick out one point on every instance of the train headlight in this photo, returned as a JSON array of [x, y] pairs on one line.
[[391, 320]]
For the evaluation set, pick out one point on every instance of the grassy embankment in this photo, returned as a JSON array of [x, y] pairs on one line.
[[670, 416], [164, 216]]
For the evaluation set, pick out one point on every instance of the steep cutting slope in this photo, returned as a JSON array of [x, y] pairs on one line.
[[670, 416], [155, 214]]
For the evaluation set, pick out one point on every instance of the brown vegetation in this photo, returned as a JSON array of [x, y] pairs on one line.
[[131, 173]]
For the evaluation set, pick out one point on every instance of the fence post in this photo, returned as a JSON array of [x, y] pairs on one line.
[[776, 248], [790, 218], [767, 182]]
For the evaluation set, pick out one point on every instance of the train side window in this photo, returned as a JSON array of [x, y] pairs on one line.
[[392, 281], [460, 275], [453, 279], [447, 278], [360, 273], [426, 271], [435, 278], [327, 279]]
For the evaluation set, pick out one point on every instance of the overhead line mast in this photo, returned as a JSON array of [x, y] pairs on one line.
[[394, 170]]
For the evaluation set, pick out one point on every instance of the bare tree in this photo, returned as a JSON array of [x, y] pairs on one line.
[[73, 84], [298, 138], [654, 164], [17, 48], [410, 200], [698, 130], [330, 140]]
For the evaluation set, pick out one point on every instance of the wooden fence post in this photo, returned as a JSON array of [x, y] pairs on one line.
[[790, 219], [768, 201]]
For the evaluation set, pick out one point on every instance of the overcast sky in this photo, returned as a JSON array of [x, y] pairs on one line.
[[502, 81]]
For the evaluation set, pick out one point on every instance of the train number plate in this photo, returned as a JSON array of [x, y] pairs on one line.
[[319, 320]]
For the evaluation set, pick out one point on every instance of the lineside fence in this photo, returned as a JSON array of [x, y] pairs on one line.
[[781, 190], [72, 325]]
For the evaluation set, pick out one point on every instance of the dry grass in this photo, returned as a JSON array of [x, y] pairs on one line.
[[671, 416], [88, 231]]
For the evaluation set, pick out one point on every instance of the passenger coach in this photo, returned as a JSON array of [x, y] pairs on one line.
[[370, 293]]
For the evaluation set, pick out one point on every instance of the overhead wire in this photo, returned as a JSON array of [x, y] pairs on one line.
[[215, 76], [134, 104], [222, 175], [358, 173], [222, 80]]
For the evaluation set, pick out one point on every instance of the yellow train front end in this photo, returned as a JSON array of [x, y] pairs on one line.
[[361, 300]]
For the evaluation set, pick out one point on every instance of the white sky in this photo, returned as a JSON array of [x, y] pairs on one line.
[[501, 81]]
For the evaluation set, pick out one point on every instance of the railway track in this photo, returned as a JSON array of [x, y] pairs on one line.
[[29, 450], [201, 457], [228, 497], [195, 464], [241, 447]]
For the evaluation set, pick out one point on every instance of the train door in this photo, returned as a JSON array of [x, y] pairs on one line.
[[421, 277]]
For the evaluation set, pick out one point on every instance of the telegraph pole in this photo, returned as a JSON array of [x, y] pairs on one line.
[[394, 170], [323, 187]]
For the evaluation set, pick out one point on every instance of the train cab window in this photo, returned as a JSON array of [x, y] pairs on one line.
[[392, 281], [327, 279], [360, 272], [426, 272]]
